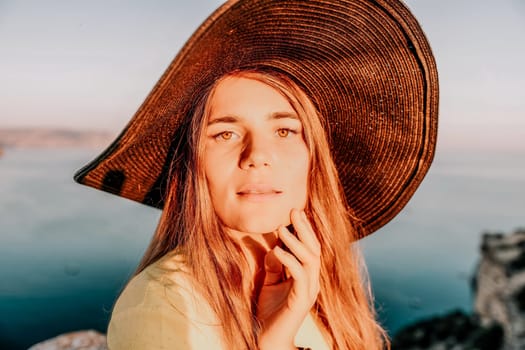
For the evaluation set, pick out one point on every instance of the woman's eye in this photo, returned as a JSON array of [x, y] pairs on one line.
[[224, 136], [284, 132]]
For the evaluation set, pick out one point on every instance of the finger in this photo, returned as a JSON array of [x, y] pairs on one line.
[[306, 280], [305, 287], [273, 269], [304, 230], [294, 267], [295, 246]]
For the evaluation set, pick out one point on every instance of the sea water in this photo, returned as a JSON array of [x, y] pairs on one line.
[[421, 264], [67, 250]]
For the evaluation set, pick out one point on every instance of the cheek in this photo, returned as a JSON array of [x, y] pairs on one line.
[[218, 170], [298, 173], [211, 172], [303, 160], [304, 177]]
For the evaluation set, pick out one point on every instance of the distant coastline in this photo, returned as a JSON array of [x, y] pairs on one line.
[[53, 138]]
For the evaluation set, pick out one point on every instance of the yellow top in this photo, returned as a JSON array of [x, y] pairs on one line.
[[161, 309]]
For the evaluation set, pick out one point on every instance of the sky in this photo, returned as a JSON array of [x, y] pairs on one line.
[[90, 64]]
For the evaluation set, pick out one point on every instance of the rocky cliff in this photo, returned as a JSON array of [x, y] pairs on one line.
[[81, 340], [498, 320], [499, 285], [453, 331]]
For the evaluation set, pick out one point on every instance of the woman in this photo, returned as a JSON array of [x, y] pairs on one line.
[[237, 144]]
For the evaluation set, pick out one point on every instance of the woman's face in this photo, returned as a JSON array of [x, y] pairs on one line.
[[256, 161]]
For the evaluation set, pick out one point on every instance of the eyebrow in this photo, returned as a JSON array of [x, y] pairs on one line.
[[235, 119]]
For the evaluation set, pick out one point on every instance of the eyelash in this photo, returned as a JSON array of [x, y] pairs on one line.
[[220, 135]]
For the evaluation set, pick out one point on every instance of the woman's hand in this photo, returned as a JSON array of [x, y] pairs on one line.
[[283, 304]]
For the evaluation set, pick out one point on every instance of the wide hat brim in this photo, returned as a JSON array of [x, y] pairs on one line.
[[366, 65]]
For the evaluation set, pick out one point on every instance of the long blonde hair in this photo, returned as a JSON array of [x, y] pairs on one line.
[[344, 308]]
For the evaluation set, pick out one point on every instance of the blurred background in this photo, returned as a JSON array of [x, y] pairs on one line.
[[72, 74]]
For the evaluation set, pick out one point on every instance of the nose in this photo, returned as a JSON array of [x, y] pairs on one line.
[[256, 154]]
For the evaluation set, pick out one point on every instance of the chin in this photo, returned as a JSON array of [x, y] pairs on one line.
[[257, 228], [262, 224]]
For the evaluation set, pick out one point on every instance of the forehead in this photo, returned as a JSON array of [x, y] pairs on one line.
[[240, 96]]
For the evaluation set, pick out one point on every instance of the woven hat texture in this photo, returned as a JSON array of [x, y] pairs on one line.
[[365, 64]]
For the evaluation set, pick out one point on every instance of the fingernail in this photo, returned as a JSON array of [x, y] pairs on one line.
[[303, 214]]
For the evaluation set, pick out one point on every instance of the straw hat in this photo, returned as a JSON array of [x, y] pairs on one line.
[[365, 64]]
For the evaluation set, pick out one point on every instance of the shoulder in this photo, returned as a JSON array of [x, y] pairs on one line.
[[166, 281], [161, 308]]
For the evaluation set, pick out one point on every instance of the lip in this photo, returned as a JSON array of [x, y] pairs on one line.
[[258, 192]]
